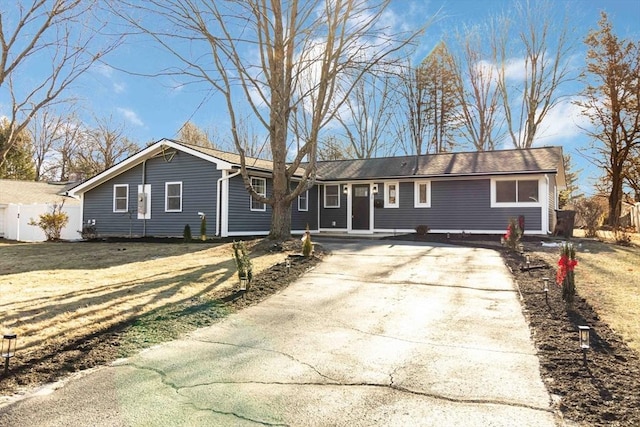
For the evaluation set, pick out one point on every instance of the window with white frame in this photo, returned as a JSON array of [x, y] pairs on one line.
[[422, 194], [173, 197], [515, 192], [332, 196], [391, 195], [121, 198], [259, 186], [303, 201]]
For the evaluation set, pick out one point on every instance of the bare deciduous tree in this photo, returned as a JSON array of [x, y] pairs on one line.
[[49, 135], [409, 121], [611, 102], [57, 42], [281, 59], [537, 65], [477, 91], [367, 113], [102, 147]]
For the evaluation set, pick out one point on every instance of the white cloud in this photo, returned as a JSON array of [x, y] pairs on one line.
[[130, 116], [119, 87], [563, 123]]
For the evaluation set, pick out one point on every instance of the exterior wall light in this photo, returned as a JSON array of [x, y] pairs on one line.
[[345, 188], [8, 349], [584, 337], [374, 189]]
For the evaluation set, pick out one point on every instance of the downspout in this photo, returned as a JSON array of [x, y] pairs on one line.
[[219, 186], [546, 214], [144, 217]]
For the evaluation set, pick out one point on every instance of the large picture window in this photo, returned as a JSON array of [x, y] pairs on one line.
[[121, 198], [173, 197], [422, 194], [515, 192], [391, 196], [332, 196], [260, 187]]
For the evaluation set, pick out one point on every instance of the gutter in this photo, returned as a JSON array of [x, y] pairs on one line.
[[219, 207]]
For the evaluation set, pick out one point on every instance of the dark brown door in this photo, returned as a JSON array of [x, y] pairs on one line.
[[360, 207]]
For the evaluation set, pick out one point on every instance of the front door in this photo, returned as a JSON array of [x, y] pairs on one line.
[[360, 207]]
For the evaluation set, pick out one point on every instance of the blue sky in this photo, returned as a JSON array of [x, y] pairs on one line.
[[154, 108]]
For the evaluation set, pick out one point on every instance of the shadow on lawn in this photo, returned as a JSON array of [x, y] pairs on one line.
[[28, 257]]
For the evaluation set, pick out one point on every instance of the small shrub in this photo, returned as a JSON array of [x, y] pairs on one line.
[[88, 232], [243, 262], [422, 230], [513, 235], [621, 236], [591, 213], [186, 233], [52, 222], [307, 245]]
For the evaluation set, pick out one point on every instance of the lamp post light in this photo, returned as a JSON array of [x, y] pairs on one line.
[[584, 341], [287, 264], [8, 349], [545, 283], [528, 261], [244, 282]]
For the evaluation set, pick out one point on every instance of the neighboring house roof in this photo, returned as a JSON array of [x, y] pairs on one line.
[[29, 192], [533, 160]]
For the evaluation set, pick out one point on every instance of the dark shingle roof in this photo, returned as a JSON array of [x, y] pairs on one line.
[[533, 160]]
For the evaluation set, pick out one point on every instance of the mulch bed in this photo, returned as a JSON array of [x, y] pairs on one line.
[[604, 390]]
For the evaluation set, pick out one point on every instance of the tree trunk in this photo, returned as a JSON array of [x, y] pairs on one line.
[[615, 199], [280, 219]]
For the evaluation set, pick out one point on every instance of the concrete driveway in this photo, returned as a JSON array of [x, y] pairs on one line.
[[380, 333]]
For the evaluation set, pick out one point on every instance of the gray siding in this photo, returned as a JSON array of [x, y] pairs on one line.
[[300, 220], [329, 215], [199, 179], [243, 220], [455, 205]]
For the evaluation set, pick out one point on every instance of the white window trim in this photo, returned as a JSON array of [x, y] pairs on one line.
[[252, 200], [495, 204], [386, 195], [325, 196], [306, 199], [115, 209], [166, 196], [416, 194]]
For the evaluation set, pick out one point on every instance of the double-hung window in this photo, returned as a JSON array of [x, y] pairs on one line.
[[391, 195], [173, 197], [508, 192], [259, 186], [121, 198], [303, 201], [422, 194], [332, 196]]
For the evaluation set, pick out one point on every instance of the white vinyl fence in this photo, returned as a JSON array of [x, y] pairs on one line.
[[635, 216], [15, 222]]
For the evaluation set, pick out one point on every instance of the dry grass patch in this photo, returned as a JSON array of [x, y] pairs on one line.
[[53, 293], [608, 277]]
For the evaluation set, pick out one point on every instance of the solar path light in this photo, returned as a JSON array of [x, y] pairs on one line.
[[8, 349]]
